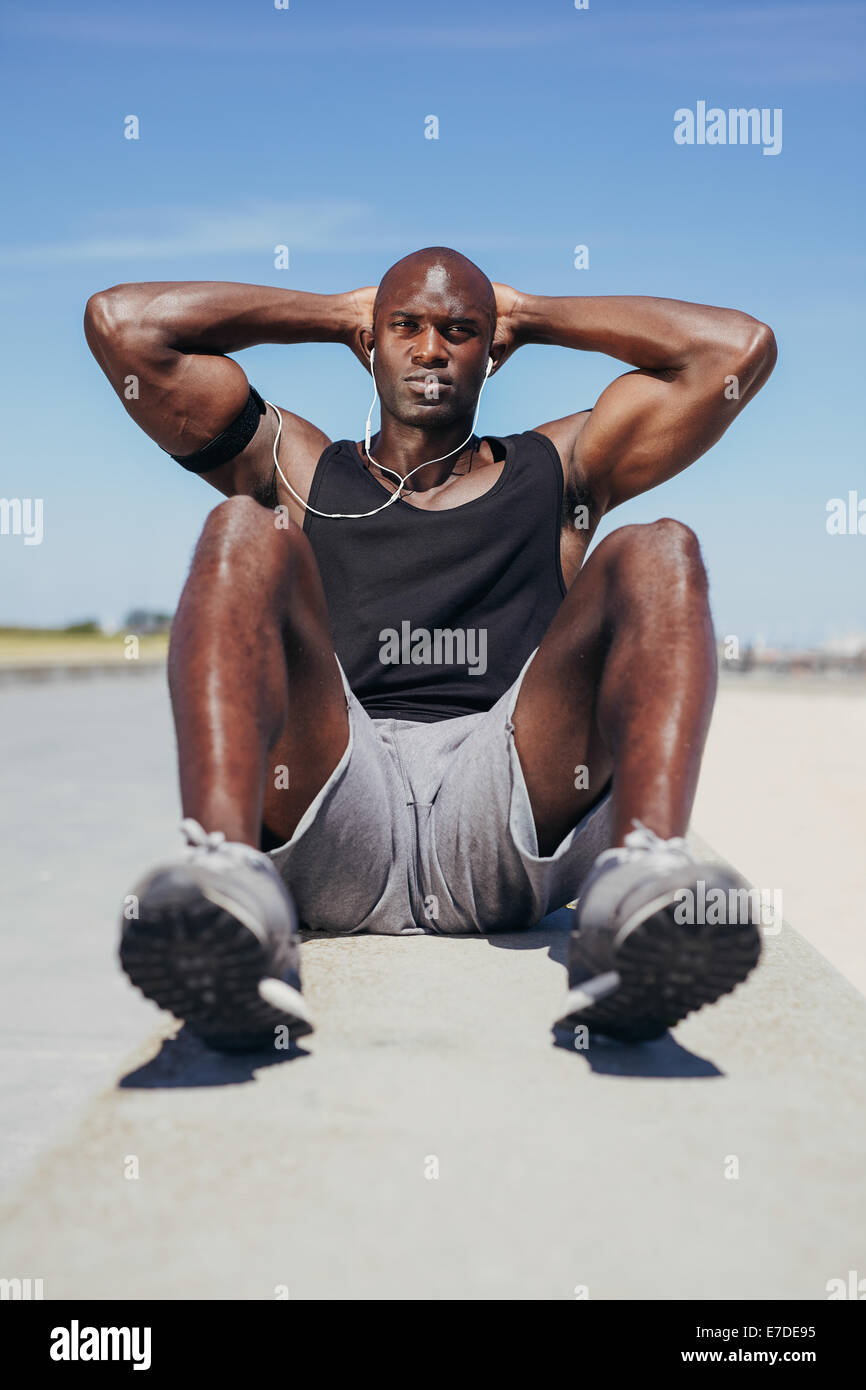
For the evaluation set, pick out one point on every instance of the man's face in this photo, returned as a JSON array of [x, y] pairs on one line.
[[432, 339]]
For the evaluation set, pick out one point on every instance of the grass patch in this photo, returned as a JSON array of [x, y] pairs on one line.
[[40, 646]]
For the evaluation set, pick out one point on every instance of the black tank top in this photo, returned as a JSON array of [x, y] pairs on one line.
[[433, 613]]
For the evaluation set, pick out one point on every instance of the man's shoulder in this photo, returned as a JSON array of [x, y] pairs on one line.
[[564, 432]]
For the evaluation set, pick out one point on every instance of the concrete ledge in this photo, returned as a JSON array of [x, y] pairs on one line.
[[555, 1169]]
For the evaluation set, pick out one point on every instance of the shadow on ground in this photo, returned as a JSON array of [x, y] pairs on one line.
[[185, 1061], [660, 1059]]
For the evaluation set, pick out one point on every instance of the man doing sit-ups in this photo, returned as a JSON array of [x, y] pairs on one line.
[[405, 699]]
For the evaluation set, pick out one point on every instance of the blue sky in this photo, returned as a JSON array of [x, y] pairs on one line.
[[306, 127]]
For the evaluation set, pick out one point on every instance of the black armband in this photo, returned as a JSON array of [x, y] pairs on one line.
[[230, 442]]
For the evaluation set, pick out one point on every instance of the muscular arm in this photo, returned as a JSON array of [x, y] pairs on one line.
[[162, 346], [653, 422]]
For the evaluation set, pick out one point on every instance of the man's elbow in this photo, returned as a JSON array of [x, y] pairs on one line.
[[754, 352], [762, 350], [108, 313], [759, 352]]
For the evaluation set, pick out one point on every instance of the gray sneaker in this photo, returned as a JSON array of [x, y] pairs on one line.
[[216, 943], [642, 955]]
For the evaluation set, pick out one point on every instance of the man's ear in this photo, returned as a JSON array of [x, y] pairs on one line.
[[497, 353], [368, 342]]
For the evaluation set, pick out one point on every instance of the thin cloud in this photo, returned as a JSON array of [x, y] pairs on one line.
[[301, 226], [292, 39], [173, 234], [794, 43]]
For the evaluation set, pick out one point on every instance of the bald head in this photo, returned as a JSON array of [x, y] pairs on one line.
[[433, 324], [438, 272]]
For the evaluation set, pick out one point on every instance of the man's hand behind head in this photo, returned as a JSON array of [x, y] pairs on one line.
[[359, 305], [506, 339]]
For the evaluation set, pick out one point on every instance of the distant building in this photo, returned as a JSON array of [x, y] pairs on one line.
[[841, 656]]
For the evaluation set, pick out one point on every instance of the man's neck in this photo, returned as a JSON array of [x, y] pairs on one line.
[[402, 448]]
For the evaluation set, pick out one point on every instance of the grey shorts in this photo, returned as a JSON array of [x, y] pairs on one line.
[[428, 828]]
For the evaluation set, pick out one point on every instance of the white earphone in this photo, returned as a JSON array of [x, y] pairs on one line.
[[395, 496]]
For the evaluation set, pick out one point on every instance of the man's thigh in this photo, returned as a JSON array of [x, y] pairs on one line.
[[315, 732]]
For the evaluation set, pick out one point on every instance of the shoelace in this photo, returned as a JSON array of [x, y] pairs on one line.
[[661, 854], [644, 838], [221, 853]]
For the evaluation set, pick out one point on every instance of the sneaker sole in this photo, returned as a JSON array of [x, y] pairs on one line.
[[200, 963], [663, 971]]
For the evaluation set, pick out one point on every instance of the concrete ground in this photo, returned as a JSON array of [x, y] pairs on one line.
[[782, 794], [428, 1141]]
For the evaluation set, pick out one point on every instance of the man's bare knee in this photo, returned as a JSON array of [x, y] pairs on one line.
[[240, 521], [241, 537], [644, 557]]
